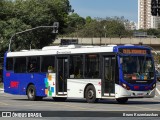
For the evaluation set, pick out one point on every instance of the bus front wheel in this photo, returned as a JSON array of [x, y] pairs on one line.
[[90, 94], [122, 100]]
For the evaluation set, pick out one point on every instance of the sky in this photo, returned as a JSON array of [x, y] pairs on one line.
[[106, 8]]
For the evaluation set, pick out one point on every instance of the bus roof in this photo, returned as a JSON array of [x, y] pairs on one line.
[[71, 49]]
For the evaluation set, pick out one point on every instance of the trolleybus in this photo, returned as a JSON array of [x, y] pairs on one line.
[[90, 72]]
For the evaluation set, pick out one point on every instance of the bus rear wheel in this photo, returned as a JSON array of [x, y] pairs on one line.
[[90, 94], [60, 99], [122, 100], [31, 93]]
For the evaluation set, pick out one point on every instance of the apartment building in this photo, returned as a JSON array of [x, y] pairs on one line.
[[145, 19]]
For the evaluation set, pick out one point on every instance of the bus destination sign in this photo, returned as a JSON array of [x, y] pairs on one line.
[[134, 51]]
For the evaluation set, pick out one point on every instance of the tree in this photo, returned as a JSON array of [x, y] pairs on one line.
[[100, 27], [153, 32], [74, 23], [88, 19], [19, 15]]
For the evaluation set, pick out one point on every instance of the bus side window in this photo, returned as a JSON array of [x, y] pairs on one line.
[[31, 67], [46, 62], [92, 66], [76, 66], [9, 64], [20, 65], [33, 64]]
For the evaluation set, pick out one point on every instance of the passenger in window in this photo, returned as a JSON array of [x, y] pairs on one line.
[[32, 68], [77, 72]]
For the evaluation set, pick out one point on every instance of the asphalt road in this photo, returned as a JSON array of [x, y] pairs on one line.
[[21, 103]]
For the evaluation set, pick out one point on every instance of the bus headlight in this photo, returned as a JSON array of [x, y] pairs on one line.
[[125, 86]]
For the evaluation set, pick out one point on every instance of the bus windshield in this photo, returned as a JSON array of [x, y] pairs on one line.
[[137, 68]]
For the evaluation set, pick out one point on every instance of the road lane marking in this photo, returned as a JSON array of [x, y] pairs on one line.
[[82, 108], [65, 105], [52, 106], [3, 94], [2, 103], [157, 100], [76, 107], [158, 91], [91, 109]]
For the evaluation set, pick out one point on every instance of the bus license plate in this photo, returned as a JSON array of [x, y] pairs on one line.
[[139, 94]]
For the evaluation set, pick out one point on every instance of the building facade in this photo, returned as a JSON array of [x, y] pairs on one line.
[[155, 22], [130, 25], [145, 19]]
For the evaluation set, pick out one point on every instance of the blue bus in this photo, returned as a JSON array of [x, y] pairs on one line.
[[90, 72]]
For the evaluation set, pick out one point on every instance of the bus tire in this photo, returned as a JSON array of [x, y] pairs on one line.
[[122, 100], [31, 93], [90, 94], [59, 99]]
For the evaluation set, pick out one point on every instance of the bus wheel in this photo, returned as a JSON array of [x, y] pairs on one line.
[[90, 94], [122, 100], [61, 99], [31, 93]]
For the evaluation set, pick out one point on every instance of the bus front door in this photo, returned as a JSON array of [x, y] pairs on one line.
[[62, 74], [108, 81]]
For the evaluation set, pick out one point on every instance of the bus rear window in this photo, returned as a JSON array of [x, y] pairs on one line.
[[9, 64]]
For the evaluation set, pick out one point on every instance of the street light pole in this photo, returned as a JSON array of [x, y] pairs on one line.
[[55, 30], [105, 31]]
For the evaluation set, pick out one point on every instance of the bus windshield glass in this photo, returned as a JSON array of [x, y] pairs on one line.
[[137, 67]]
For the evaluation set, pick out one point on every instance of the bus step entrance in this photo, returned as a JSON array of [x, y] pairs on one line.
[[109, 94], [62, 93]]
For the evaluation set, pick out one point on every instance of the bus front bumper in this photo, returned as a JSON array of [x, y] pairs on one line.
[[120, 92]]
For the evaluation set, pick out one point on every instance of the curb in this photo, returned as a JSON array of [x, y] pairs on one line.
[[1, 89]]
